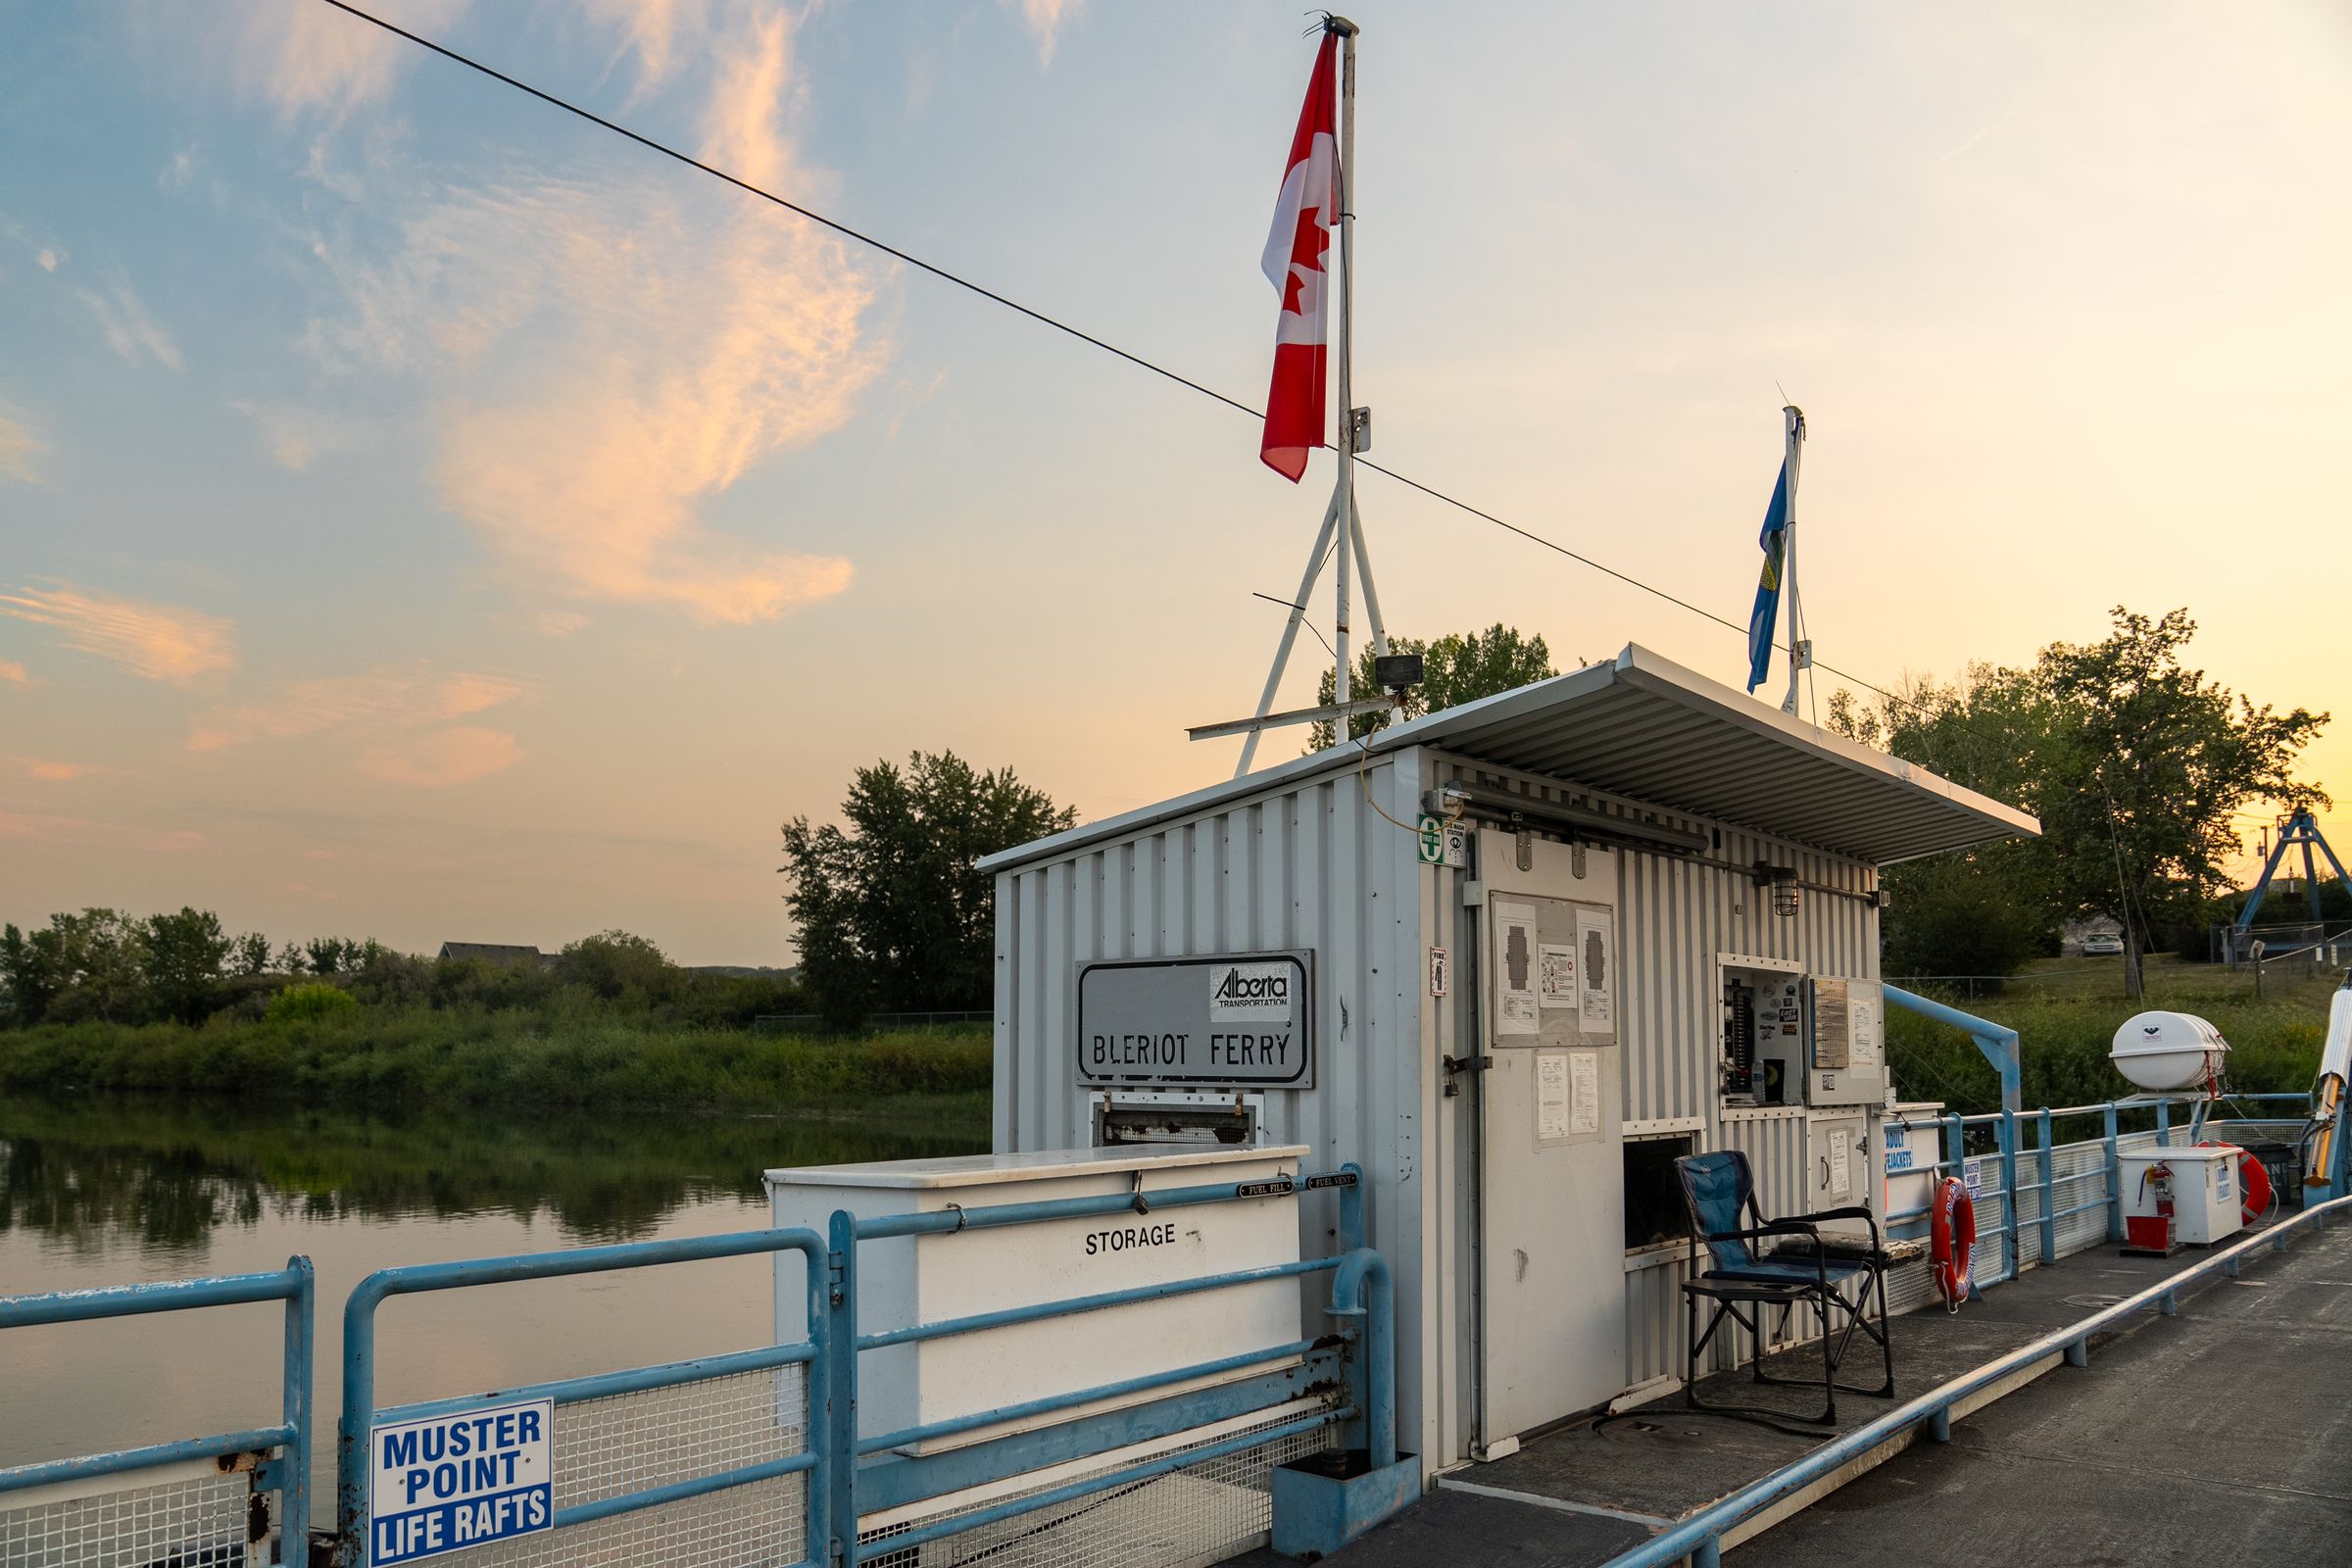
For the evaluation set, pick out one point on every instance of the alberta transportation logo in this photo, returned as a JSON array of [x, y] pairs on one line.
[[1250, 991]]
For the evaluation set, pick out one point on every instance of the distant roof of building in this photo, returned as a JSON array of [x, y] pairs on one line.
[[1643, 726], [492, 951]]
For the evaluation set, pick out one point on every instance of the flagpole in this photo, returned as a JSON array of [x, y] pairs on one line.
[[1343, 531], [1800, 651], [1344, 498]]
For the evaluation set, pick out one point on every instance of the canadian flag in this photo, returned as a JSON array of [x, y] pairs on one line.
[[1297, 251]]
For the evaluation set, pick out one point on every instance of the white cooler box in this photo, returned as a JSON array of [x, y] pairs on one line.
[[2206, 1199], [924, 1279]]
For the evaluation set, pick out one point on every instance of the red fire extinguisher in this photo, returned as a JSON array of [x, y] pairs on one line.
[[2151, 1234]]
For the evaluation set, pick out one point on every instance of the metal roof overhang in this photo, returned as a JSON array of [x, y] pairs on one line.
[[1645, 727]]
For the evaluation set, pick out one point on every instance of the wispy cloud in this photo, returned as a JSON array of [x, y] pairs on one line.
[[130, 330], [302, 57], [1045, 18], [609, 361], [442, 757], [659, 32], [14, 673], [161, 642], [49, 770], [49, 257], [296, 433], [386, 700], [82, 832], [18, 446]]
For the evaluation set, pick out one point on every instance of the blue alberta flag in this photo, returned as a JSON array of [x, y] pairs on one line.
[[1760, 620]]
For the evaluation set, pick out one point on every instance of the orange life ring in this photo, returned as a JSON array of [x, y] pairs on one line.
[[2253, 1184], [1952, 1241]]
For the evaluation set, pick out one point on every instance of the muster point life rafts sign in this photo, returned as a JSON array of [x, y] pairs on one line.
[[1234, 1020], [448, 1482]]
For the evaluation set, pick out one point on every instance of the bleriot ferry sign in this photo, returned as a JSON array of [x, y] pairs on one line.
[[1237, 1021]]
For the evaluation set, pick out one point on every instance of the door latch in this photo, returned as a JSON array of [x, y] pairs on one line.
[[1462, 1065]]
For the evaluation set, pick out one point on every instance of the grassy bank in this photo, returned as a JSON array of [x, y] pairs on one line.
[[404, 1057], [2066, 1011]]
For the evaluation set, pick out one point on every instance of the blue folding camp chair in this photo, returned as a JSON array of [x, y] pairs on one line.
[[1744, 1284]]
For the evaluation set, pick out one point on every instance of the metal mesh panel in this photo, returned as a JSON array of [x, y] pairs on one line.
[[189, 1519], [2081, 1171], [1202, 1513], [2029, 1209], [1992, 1211], [633, 1442], [1912, 1286]]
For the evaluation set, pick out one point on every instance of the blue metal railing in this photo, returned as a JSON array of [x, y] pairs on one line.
[[2012, 1153], [284, 1451], [1699, 1538], [1350, 1371], [360, 1416]]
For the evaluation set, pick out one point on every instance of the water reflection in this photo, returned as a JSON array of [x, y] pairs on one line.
[[102, 1175]]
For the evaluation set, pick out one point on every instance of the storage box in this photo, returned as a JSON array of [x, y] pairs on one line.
[[2205, 1190], [925, 1279]]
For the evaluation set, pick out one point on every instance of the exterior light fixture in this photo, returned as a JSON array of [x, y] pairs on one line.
[[1396, 671], [1781, 880]]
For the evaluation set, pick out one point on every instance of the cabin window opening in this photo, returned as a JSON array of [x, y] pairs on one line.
[[1654, 1212]]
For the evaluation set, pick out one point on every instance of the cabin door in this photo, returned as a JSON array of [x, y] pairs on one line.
[[1552, 1174]]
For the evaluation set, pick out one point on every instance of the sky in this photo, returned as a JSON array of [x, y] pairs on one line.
[[427, 516]]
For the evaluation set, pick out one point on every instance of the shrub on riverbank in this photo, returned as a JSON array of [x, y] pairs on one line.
[[2066, 1014], [382, 1057]]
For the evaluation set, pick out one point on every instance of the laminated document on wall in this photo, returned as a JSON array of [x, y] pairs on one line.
[[1841, 1165], [1559, 975], [1583, 1093], [1551, 1096], [1868, 1024], [1596, 966], [1516, 962]]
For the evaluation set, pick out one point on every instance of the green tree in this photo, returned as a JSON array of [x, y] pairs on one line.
[[251, 955], [1986, 910], [892, 913], [79, 967], [290, 959], [613, 963], [2134, 764], [2152, 760], [29, 976], [183, 957], [1457, 669]]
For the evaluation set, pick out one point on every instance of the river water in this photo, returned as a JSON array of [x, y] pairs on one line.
[[108, 1191]]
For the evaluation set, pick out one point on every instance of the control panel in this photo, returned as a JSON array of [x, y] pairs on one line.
[[1793, 1039], [1763, 1036]]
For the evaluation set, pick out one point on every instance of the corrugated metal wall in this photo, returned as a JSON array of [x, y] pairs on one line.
[[1307, 865], [1676, 913]]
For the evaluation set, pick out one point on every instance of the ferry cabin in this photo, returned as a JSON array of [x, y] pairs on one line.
[[1509, 959]]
